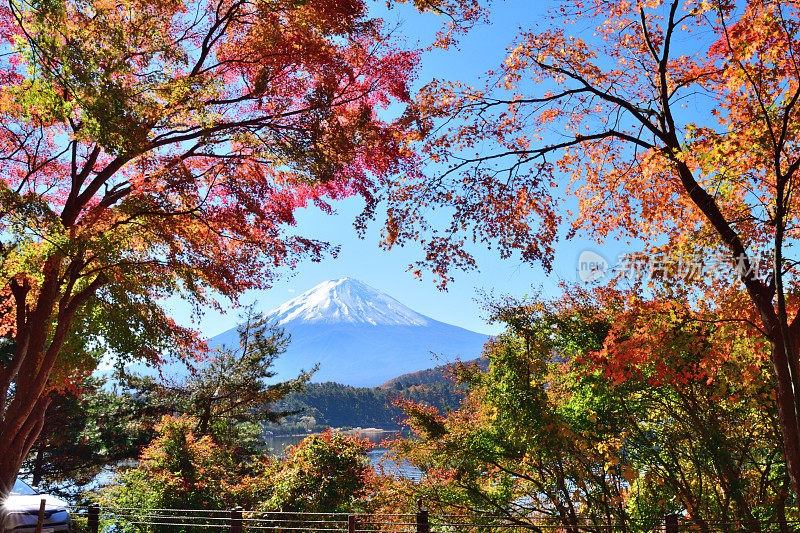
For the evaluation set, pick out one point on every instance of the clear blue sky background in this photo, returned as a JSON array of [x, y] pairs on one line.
[[461, 305]]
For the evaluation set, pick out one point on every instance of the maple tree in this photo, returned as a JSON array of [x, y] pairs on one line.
[[579, 423], [324, 474], [178, 469], [159, 149], [670, 125]]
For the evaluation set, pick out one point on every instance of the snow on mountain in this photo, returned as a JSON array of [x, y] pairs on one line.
[[360, 336], [348, 301]]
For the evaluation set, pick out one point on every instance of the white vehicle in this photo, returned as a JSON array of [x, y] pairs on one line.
[[22, 507]]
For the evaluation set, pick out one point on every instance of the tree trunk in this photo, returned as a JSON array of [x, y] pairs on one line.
[[38, 462], [787, 413], [41, 330], [205, 419], [10, 464], [8, 474]]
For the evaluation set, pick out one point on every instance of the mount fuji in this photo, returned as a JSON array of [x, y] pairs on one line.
[[360, 336]]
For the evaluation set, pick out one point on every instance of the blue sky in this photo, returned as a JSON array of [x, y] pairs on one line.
[[481, 50]]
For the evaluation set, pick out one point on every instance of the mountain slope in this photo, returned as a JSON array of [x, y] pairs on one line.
[[439, 374], [361, 336]]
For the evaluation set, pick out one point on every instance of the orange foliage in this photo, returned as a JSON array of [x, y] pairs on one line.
[[159, 149], [670, 125]]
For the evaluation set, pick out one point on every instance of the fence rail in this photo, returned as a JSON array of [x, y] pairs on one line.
[[238, 520]]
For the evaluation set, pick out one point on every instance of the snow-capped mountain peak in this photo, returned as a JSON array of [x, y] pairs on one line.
[[347, 300]]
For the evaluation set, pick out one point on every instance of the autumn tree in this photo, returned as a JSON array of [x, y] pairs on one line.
[[326, 474], [669, 125], [177, 470], [159, 149], [580, 424]]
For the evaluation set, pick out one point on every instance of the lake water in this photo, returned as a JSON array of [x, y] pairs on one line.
[[277, 443]]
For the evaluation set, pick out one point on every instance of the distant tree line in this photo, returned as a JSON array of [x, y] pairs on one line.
[[335, 405]]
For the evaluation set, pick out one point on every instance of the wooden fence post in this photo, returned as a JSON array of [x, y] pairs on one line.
[[93, 520], [422, 521], [40, 518], [671, 523], [236, 520], [351, 524]]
